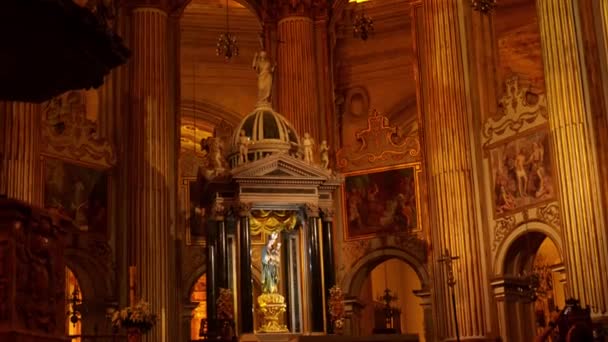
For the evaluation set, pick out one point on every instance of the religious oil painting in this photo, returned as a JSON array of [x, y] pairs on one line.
[[522, 172], [380, 202], [77, 192]]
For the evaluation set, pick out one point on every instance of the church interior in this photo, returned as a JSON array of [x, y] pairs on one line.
[[293, 170]]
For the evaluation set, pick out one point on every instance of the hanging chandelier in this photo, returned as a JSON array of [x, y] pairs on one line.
[[363, 24], [226, 43], [483, 6]]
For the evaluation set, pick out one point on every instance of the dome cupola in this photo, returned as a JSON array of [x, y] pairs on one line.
[[268, 132]]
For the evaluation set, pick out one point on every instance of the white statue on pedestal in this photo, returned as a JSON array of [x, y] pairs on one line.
[[324, 154], [307, 144], [243, 147], [264, 68]]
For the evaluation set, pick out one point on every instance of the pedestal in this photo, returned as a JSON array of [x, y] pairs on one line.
[[32, 274], [272, 307]]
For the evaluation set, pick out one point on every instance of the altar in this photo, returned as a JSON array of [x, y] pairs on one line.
[[268, 199]]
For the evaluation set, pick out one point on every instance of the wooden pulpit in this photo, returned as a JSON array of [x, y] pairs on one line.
[[32, 274]]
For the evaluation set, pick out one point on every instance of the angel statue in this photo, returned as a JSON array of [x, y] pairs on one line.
[[264, 68], [271, 259]]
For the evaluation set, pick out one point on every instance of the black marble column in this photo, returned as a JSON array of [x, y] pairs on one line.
[[317, 309], [222, 254], [329, 270], [211, 286], [245, 277]]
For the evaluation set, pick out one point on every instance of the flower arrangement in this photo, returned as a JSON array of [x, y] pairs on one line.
[[138, 316], [336, 307]]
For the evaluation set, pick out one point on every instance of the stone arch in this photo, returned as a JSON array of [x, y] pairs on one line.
[[96, 280], [253, 6], [353, 281], [92, 286], [521, 230], [191, 281]]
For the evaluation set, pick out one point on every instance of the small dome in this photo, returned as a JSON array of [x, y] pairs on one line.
[[268, 132]]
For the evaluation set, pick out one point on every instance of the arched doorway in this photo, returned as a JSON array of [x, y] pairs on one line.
[[400, 272], [73, 295], [533, 286], [198, 296], [397, 279]]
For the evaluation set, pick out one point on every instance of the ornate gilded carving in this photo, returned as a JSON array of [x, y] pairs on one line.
[[550, 214], [225, 304], [336, 308], [503, 227], [272, 306], [4, 282], [521, 110], [67, 133], [378, 145]]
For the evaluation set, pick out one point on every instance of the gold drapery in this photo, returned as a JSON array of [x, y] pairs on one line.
[[263, 221]]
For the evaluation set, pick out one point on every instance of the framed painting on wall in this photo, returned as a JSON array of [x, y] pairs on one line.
[[77, 192], [523, 173], [381, 201]]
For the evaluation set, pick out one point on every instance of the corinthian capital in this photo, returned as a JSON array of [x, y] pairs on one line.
[[296, 8], [243, 209], [312, 210], [328, 214]]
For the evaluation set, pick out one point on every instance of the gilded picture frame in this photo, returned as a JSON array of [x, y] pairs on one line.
[[381, 201]]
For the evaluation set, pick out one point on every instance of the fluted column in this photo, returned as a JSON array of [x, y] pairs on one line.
[[20, 130], [573, 133], [298, 96], [149, 162], [451, 172]]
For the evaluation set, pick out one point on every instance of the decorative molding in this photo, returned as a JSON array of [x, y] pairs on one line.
[[378, 145], [68, 134], [519, 112], [504, 226], [550, 214]]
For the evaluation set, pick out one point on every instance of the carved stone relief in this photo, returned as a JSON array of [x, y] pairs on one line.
[[378, 145], [67, 132]]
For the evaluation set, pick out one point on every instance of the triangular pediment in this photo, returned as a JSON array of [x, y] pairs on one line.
[[280, 166]]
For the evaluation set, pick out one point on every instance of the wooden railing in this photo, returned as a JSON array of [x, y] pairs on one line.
[[99, 338]]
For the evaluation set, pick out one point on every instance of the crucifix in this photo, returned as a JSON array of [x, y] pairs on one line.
[[447, 258]]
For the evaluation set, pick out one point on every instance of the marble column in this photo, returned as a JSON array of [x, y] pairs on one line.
[[150, 162], [20, 131], [245, 302], [452, 174], [315, 269], [329, 268], [577, 161], [297, 75]]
